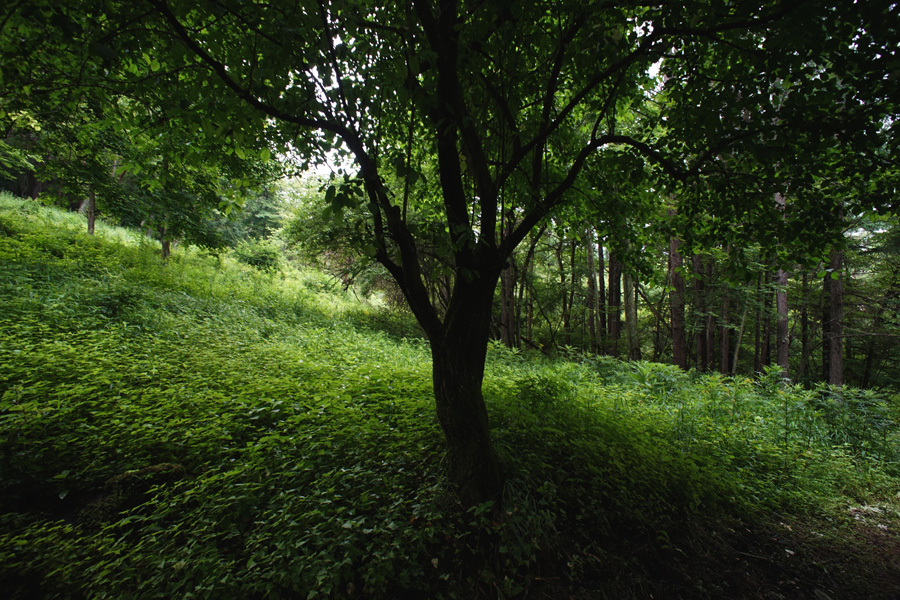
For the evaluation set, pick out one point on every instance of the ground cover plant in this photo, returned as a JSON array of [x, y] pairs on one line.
[[208, 429]]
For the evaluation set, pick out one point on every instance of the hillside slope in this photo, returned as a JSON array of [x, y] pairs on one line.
[[200, 429]]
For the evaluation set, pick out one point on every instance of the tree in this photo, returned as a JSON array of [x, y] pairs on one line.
[[512, 100]]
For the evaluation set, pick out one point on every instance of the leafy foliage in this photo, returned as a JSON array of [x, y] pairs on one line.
[[280, 444]]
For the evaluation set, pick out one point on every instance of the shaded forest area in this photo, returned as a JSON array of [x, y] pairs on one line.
[[213, 429], [529, 297]]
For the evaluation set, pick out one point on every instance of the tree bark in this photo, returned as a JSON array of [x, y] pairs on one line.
[[614, 297], [592, 291], [601, 299], [700, 311], [782, 335], [834, 346], [508, 325], [458, 356], [724, 345], [631, 330], [676, 298], [89, 208]]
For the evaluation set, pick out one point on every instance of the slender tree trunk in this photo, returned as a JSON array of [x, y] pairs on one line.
[[724, 345], [563, 292], [757, 350], [592, 291], [614, 294], [631, 330], [710, 321], [573, 285], [524, 295], [601, 300], [700, 310], [804, 326], [508, 333], [89, 208], [737, 345], [836, 321], [782, 335], [826, 327], [676, 298], [767, 323], [165, 242]]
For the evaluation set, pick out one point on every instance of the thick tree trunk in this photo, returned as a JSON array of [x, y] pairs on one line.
[[458, 372], [676, 298]]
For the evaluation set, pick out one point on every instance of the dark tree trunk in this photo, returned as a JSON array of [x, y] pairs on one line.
[[601, 299], [676, 298], [767, 323], [508, 325], [614, 313], [458, 356], [757, 350], [782, 335], [592, 291], [563, 292], [836, 320], [826, 327], [724, 345], [700, 310], [166, 244], [631, 330], [804, 326]]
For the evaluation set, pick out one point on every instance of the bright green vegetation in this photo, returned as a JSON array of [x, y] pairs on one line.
[[204, 429]]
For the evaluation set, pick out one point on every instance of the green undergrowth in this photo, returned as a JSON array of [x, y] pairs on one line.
[[207, 429]]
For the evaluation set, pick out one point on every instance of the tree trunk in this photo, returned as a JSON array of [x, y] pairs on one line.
[[508, 328], [631, 331], [166, 244], [804, 326], [458, 357], [614, 296], [592, 291], [782, 335], [724, 346], [737, 344], [757, 350], [676, 298], [700, 312], [601, 300], [89, 208], [836, 320], [563, 292]]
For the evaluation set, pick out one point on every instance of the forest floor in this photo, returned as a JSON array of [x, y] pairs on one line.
[[199, 429]]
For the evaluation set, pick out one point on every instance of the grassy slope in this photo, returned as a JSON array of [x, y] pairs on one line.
[[202, 430]]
